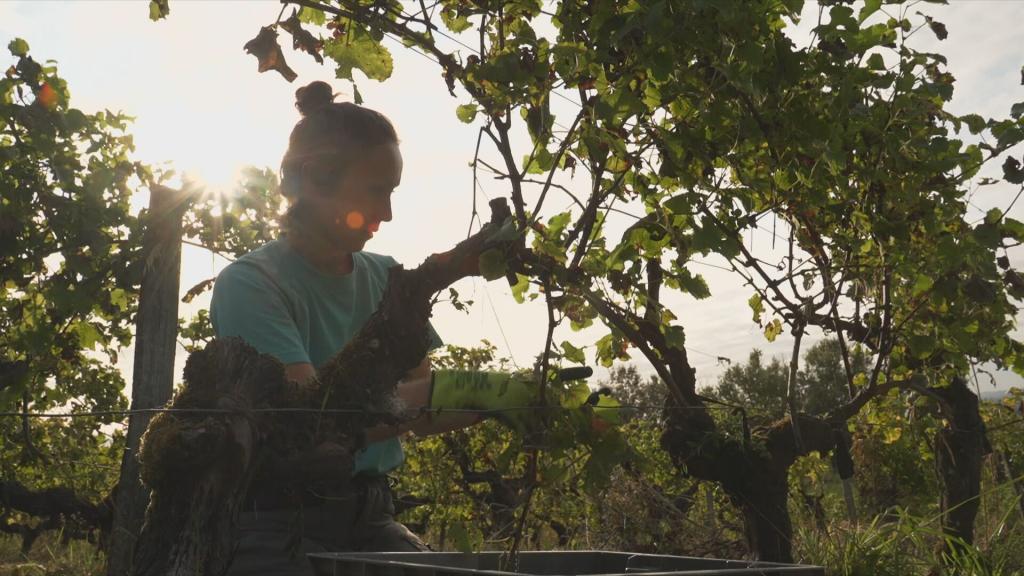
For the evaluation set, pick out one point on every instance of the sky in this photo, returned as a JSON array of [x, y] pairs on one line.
[[201, 108]]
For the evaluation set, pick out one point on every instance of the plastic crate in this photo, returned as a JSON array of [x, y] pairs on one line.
[[542, 564]]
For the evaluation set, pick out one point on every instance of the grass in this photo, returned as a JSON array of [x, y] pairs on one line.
[[50, 557], [902, 544]]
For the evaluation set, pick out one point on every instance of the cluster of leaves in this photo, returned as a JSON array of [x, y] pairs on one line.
[[893, 449], [710, 118], [462, 494], [66, 235], [475, 481], [80, 455], [70, 266], [846, 141], [894, 444], [1004, 420], [465, 489], [893, 441]]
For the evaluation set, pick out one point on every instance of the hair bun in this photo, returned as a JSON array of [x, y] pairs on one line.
[[313, 96]]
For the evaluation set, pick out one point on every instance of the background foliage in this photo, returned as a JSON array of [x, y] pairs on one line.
[[70, 265], [706, 118]]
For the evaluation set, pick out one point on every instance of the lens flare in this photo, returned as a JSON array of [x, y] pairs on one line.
[[355, 220]]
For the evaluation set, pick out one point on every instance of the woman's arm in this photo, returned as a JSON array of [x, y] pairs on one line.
[[300, 373], [414, 391]]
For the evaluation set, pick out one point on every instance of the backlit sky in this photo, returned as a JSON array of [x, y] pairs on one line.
[[201, 106]]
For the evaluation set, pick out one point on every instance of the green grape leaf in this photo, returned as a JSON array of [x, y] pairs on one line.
[[18, 47], [312, 16], [975, 123], [1012, 171], [88, 335], [358, 50], [493, 264], [466, 112], [921, 345], [572, 353], [521, 286], [459, 533], [773, 329], [159, 9], [922, 284], [756, 304], [869, 8], [675, 337]]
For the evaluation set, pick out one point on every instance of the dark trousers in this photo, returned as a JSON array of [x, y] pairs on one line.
[[276, 541]]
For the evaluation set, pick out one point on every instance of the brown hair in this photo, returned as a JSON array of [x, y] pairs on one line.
[[328, 138]]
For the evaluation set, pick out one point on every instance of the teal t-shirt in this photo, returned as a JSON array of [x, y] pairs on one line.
[[281, 305]]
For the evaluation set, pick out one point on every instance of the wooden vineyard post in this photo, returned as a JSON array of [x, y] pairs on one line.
[[156, 331]]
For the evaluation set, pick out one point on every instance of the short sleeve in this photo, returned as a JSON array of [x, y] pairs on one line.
[[247, 304]]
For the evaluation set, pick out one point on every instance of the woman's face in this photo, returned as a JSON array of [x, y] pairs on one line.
[[351, 211]]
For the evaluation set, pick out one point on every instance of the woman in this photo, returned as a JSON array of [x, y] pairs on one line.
[[301, 298]]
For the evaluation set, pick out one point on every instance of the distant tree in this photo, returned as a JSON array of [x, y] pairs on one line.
[[760, 384], [823, 380], [646, 396]]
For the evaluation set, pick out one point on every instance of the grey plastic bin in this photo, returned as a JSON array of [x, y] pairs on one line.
[[542, 564]]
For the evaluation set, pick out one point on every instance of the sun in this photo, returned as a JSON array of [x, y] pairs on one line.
[[216, 184]]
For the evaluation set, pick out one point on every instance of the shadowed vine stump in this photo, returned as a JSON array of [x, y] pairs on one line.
[[960, 446], [199, 465], [237, 425], [754, 472]]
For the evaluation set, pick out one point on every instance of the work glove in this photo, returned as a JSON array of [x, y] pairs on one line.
[[513, 400]]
